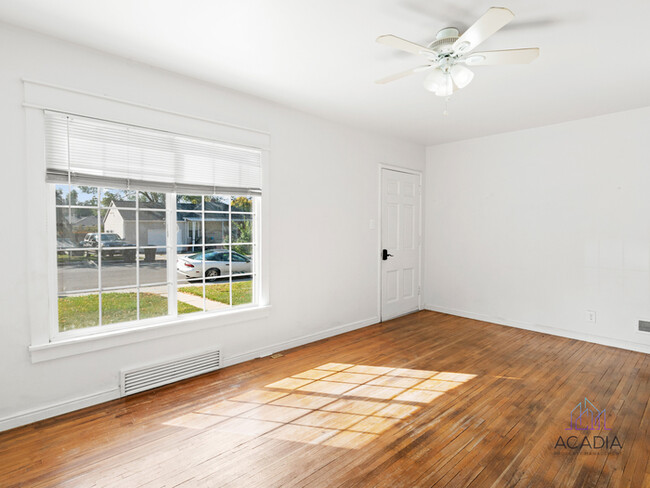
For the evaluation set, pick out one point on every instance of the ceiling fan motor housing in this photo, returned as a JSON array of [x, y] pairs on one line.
[[445, 39]]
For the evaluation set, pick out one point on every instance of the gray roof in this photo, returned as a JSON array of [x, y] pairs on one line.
[[87, 221], [84, 221]]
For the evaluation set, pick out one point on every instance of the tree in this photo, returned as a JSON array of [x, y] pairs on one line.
[[89, 190], [193, 199], [152, 197], [242, 204], [242, 231], [110, 196]]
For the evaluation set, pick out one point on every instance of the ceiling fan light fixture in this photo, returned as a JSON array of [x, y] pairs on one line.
[[461, 75], [435, 80], [447, 88]]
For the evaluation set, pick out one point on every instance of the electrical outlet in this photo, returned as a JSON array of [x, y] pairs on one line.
[[591, 316]]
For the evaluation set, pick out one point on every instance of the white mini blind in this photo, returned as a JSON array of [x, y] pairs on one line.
[[100, 153]]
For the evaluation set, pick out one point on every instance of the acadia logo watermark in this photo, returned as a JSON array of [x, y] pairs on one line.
[[584, 419]]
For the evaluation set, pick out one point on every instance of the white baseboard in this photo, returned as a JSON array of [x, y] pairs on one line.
[[596, 339], [35, 415], [300, 341]]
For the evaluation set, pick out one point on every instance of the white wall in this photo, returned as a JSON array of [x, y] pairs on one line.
[[533, 228], [324, 191]]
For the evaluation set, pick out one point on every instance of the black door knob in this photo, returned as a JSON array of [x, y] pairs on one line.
[[385, 255]]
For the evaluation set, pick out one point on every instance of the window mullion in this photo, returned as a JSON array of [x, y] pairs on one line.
[[99, 254], [230, 250], [172, 284], [137, 253], [255, 269], [205, 300]]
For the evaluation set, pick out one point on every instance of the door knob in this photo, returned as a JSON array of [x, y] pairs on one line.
[[385, 255]]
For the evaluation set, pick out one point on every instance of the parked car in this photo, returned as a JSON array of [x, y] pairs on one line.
[[112, 245], [217, 263]]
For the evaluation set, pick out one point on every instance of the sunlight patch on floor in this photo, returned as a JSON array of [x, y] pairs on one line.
[[335, 404]]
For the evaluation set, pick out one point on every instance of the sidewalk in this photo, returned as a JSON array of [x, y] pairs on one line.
[[198, 301]]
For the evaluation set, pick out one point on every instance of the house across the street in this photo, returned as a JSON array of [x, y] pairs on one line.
[[121, 220]]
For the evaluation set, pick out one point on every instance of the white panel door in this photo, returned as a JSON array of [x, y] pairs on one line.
[[400, 241]]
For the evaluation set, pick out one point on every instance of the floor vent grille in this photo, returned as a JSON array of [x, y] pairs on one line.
[[148, 377], [644, 326]]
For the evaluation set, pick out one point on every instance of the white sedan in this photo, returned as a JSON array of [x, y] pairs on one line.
[[217, 263]]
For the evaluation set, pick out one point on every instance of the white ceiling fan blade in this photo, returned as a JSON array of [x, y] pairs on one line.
[[506, 56], [403, 74], [488, 24], [404, 45]]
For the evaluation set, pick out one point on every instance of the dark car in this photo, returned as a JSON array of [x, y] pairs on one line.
[[112, 245]]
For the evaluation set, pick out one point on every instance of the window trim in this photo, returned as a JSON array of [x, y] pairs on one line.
[[72, 346], [42, 281]]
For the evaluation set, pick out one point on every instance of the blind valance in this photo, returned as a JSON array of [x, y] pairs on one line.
[[100, 153]]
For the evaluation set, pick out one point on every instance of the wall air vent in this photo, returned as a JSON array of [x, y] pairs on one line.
[[155, 375], [644, 326]]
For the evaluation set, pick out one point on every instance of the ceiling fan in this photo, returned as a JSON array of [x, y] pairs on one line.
[[449, 55]]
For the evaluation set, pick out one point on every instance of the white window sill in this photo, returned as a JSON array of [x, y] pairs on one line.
[[95, 342]]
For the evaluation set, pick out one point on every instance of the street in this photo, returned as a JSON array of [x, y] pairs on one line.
[[83, 275]]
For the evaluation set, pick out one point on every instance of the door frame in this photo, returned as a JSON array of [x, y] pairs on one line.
[[418, 173]]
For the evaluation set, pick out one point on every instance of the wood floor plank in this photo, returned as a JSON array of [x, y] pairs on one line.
[[428, 399]]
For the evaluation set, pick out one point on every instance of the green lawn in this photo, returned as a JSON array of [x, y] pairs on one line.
[[242, 292], [83, 311], [62, 258]]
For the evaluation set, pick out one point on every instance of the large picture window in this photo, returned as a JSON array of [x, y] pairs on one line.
[[133, 245]]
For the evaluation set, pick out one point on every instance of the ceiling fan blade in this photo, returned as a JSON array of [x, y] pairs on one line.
[[506, 56], [403, 74], [404, 45], [488, 24]]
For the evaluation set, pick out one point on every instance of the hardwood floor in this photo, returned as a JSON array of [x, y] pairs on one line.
[[424, 400]]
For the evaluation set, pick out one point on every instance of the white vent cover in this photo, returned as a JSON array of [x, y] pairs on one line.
[[155, 375]]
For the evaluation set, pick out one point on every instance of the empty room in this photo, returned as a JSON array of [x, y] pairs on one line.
[[309, 243]]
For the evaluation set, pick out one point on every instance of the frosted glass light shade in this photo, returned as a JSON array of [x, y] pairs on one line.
[[435, 80], [447, 88], [461, 75]]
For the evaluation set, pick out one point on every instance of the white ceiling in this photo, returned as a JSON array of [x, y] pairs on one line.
[[320, 56]]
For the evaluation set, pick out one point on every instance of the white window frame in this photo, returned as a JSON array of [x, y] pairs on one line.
[[171, 247], [46, 340]]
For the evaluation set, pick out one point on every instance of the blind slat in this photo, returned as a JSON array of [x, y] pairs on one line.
[[101, 153]]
